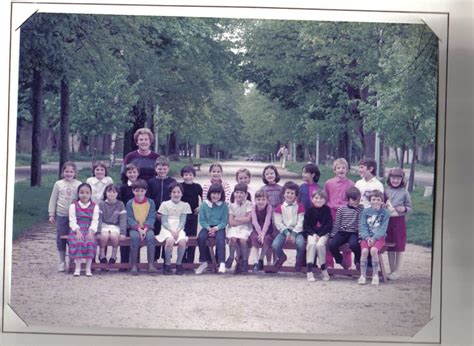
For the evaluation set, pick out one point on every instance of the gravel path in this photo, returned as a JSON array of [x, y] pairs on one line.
[[283, 302]]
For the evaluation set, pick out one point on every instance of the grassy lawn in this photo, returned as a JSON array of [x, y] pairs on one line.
[[419, 221]]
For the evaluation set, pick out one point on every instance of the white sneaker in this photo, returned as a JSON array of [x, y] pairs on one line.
[[362, 280], [324, 275], [375, 279], [88, 273], [221, 268], [310, 276], [77, 272], [393, 276], [202, 267], [61, 267]]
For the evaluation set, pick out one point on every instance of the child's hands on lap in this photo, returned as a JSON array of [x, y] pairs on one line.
[[175, 234], [78, 234]]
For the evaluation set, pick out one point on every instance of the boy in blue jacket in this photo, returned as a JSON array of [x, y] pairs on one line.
[[373, 225]]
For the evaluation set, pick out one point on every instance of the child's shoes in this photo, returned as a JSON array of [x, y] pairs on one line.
[[202, 267], [228, 263], [245, 267], [375, 279], [310, 276], [362, 280], [88, 272], [167, 270], [255, 268], [393, 276], [134, 270], [324, 275], [238, 267], [61, 267], [77, 272], [221, 268], [179, 269], [279, 262], [152, 268], [260, 265]]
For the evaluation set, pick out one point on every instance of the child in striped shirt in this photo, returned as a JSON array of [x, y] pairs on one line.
[[346, 228]]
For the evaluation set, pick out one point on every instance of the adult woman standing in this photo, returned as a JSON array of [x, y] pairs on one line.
[[144, 158]]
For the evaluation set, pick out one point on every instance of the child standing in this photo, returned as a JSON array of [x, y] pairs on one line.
[[239, 229], [346, 228], [262, 215], [372, 229], [243, 176], [288, 219], [335, 189], [99, 181], [213, 218], [112, 222], [83, 222], [192, 194], [399, 204], [215, 175], [126, 194], [310, 175], [140, 218], [271, 178], [367, 170], [158, 191], [173, 218], [63, 194], [316, 228]]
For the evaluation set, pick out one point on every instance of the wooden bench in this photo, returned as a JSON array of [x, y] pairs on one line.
[[125, 241], [333, 271]]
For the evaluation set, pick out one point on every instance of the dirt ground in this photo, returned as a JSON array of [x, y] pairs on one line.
[[284, 302]]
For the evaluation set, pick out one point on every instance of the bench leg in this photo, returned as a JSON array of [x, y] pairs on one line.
[[382, 267]]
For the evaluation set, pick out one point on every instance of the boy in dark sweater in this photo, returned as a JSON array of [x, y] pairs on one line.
[[317, 225], [158, 191], [193, 195]]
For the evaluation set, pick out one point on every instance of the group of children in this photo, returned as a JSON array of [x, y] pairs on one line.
[[254, 224]]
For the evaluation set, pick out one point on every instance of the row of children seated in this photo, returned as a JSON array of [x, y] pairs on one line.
[[303, 215]]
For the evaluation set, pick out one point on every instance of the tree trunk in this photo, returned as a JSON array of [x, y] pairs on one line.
[[396, 155], [37, 113], [411, 181], [382, 157], [173, 146], [64, 125], [402, 158]]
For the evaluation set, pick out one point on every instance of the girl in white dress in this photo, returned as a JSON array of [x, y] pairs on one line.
[[173, 218], [240, 227]]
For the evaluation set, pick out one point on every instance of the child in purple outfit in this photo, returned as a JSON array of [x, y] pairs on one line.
[[310, 175], [399, 204]]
